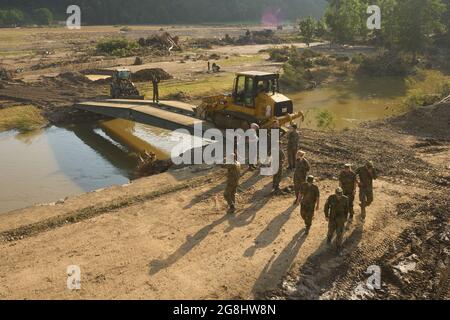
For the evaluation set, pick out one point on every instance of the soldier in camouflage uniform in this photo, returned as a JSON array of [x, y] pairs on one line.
[[292, 148], [310, 201], [336, 212], [233, 175], [347, 181], [302, 168], [366, 175], [279, 174]]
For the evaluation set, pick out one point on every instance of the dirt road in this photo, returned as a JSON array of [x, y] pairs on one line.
[[167, 237]]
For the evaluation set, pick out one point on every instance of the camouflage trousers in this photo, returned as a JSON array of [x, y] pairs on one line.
[[336, 226], [277, 179], [307, 213], [292, 156], [366, 199], [351, 199], [230, 194], [298, 180], [156, 94]]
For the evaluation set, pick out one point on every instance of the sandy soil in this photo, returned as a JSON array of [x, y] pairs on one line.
[[167, 238]]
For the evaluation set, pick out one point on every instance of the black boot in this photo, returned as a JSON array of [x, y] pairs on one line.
[[307, 231], [350, 217]]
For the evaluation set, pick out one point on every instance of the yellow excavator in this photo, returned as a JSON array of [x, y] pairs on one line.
[[256, 98]]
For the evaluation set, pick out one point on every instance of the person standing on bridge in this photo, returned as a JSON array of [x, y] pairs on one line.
[[155, 82]]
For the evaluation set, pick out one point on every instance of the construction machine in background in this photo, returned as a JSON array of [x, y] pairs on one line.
[[256, 98], [122, 87]]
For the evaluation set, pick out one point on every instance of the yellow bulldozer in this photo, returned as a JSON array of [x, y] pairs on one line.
[[256, 98]]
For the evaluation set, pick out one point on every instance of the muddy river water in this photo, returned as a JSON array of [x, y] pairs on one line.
[[51, 164]]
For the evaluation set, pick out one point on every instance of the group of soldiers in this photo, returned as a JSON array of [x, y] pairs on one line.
[[338, 208]]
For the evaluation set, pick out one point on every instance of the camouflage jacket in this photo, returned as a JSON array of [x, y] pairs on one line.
[[366, 176], [309, 193], [347, 180], [302, 167], [336, 208], [233, 173], [293, 139]]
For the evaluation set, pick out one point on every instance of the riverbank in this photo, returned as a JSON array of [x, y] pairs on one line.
[[167, 236]]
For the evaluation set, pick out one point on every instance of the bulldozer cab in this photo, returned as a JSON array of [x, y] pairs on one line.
[[248, 85], [122, 87], [122, 74]]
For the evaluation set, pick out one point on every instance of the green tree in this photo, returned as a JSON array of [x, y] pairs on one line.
[[321, 28], [325, 120], [307, 29], [14, 17], [346, 20], [408, 25], [43, 16], [2, 18]]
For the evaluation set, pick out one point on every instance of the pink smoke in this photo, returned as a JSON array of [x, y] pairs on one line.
[[271, 17]]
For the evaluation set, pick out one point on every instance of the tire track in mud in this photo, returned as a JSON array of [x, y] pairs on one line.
[[415, 236], [325, 276], [326, 272]]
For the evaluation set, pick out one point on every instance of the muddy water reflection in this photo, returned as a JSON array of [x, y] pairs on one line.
[[352, 102], [51, 164]]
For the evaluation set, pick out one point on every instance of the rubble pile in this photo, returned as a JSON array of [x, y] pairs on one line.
[[5, 75], [161, 42], [147, 75], [149, 165]]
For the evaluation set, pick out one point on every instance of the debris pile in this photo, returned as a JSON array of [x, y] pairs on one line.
[[5, 75], [149, 165], [418, 267], [179, 96], [161, 42], [147, 75], [266, 36], [214, 56], [430, 121], [74, 77], [206, 43]]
